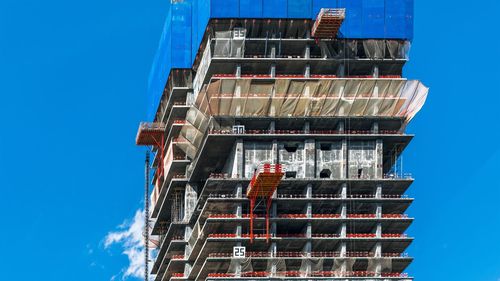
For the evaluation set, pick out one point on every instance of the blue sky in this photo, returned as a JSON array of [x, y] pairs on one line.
[[73, 78]]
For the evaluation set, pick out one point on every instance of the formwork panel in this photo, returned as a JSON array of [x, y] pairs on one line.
[[251, 8], [292, 157], [255, 154], [362, 160], [329, 160]]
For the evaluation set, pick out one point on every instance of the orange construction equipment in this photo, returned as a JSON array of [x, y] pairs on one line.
[[153, 134], [328, 23], [264, 183]]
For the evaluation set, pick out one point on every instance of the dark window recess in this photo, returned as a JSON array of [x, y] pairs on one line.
[[325, 174], [325, 146], [291, 148], [290, 175]]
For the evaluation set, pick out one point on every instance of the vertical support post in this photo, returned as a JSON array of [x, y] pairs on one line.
[[380, 158], [239, 163], [146, 218], [344, 174], [252, 206], [310, 158]]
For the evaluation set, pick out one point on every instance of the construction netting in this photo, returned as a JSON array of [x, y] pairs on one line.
[[231, 97], [308, 98]]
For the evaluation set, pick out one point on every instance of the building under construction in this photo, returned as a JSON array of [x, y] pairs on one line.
[[277, 128]]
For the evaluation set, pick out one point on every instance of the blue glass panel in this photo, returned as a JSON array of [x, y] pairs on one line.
[[181, 34], [373, 18], [225, 8], [299, 8], [274, 9], [409, 19], [353, 24], [251, 8]]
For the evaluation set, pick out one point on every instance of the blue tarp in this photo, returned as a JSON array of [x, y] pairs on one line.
[[186, 22]]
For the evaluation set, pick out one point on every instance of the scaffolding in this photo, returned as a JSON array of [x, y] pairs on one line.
[[264, 183], [328, 23]]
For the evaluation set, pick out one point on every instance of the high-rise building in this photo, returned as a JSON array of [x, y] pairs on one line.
[[277, 128]]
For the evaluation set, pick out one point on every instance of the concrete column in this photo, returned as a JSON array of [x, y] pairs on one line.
[[309, 191], [307, 52], [375, 71], [307, 248], [375, 129], [309, 230], [238, 230], [187, 269], [238, 71], [344, 173], [239, 190], [239, 211], [343, 249], [273, 51], [272, 126], [307, 71], [341, 126], [341, 70], [343, 191], [378, 191], [274, 213], [187, 234], [378, 212], [309, 210], [239, 162], [307, 127], [379, 230], [343, 230], [275, 153], [273, 248], [343, 211], [273, 70], [379, 173], [378, 250], [378, 254], [310, 158], [190, 98]]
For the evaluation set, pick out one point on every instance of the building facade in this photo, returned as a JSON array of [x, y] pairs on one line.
[[277, 152]]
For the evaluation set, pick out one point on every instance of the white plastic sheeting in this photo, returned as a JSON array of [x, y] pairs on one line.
[[313, 97]]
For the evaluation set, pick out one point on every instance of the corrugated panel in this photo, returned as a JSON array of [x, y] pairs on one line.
[[373, 18], [274, 9], [299, 8], [353, 23], [225, 8], [251, 8], [318, 4]]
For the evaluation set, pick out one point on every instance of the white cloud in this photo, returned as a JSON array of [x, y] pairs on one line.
[[129, 236]]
